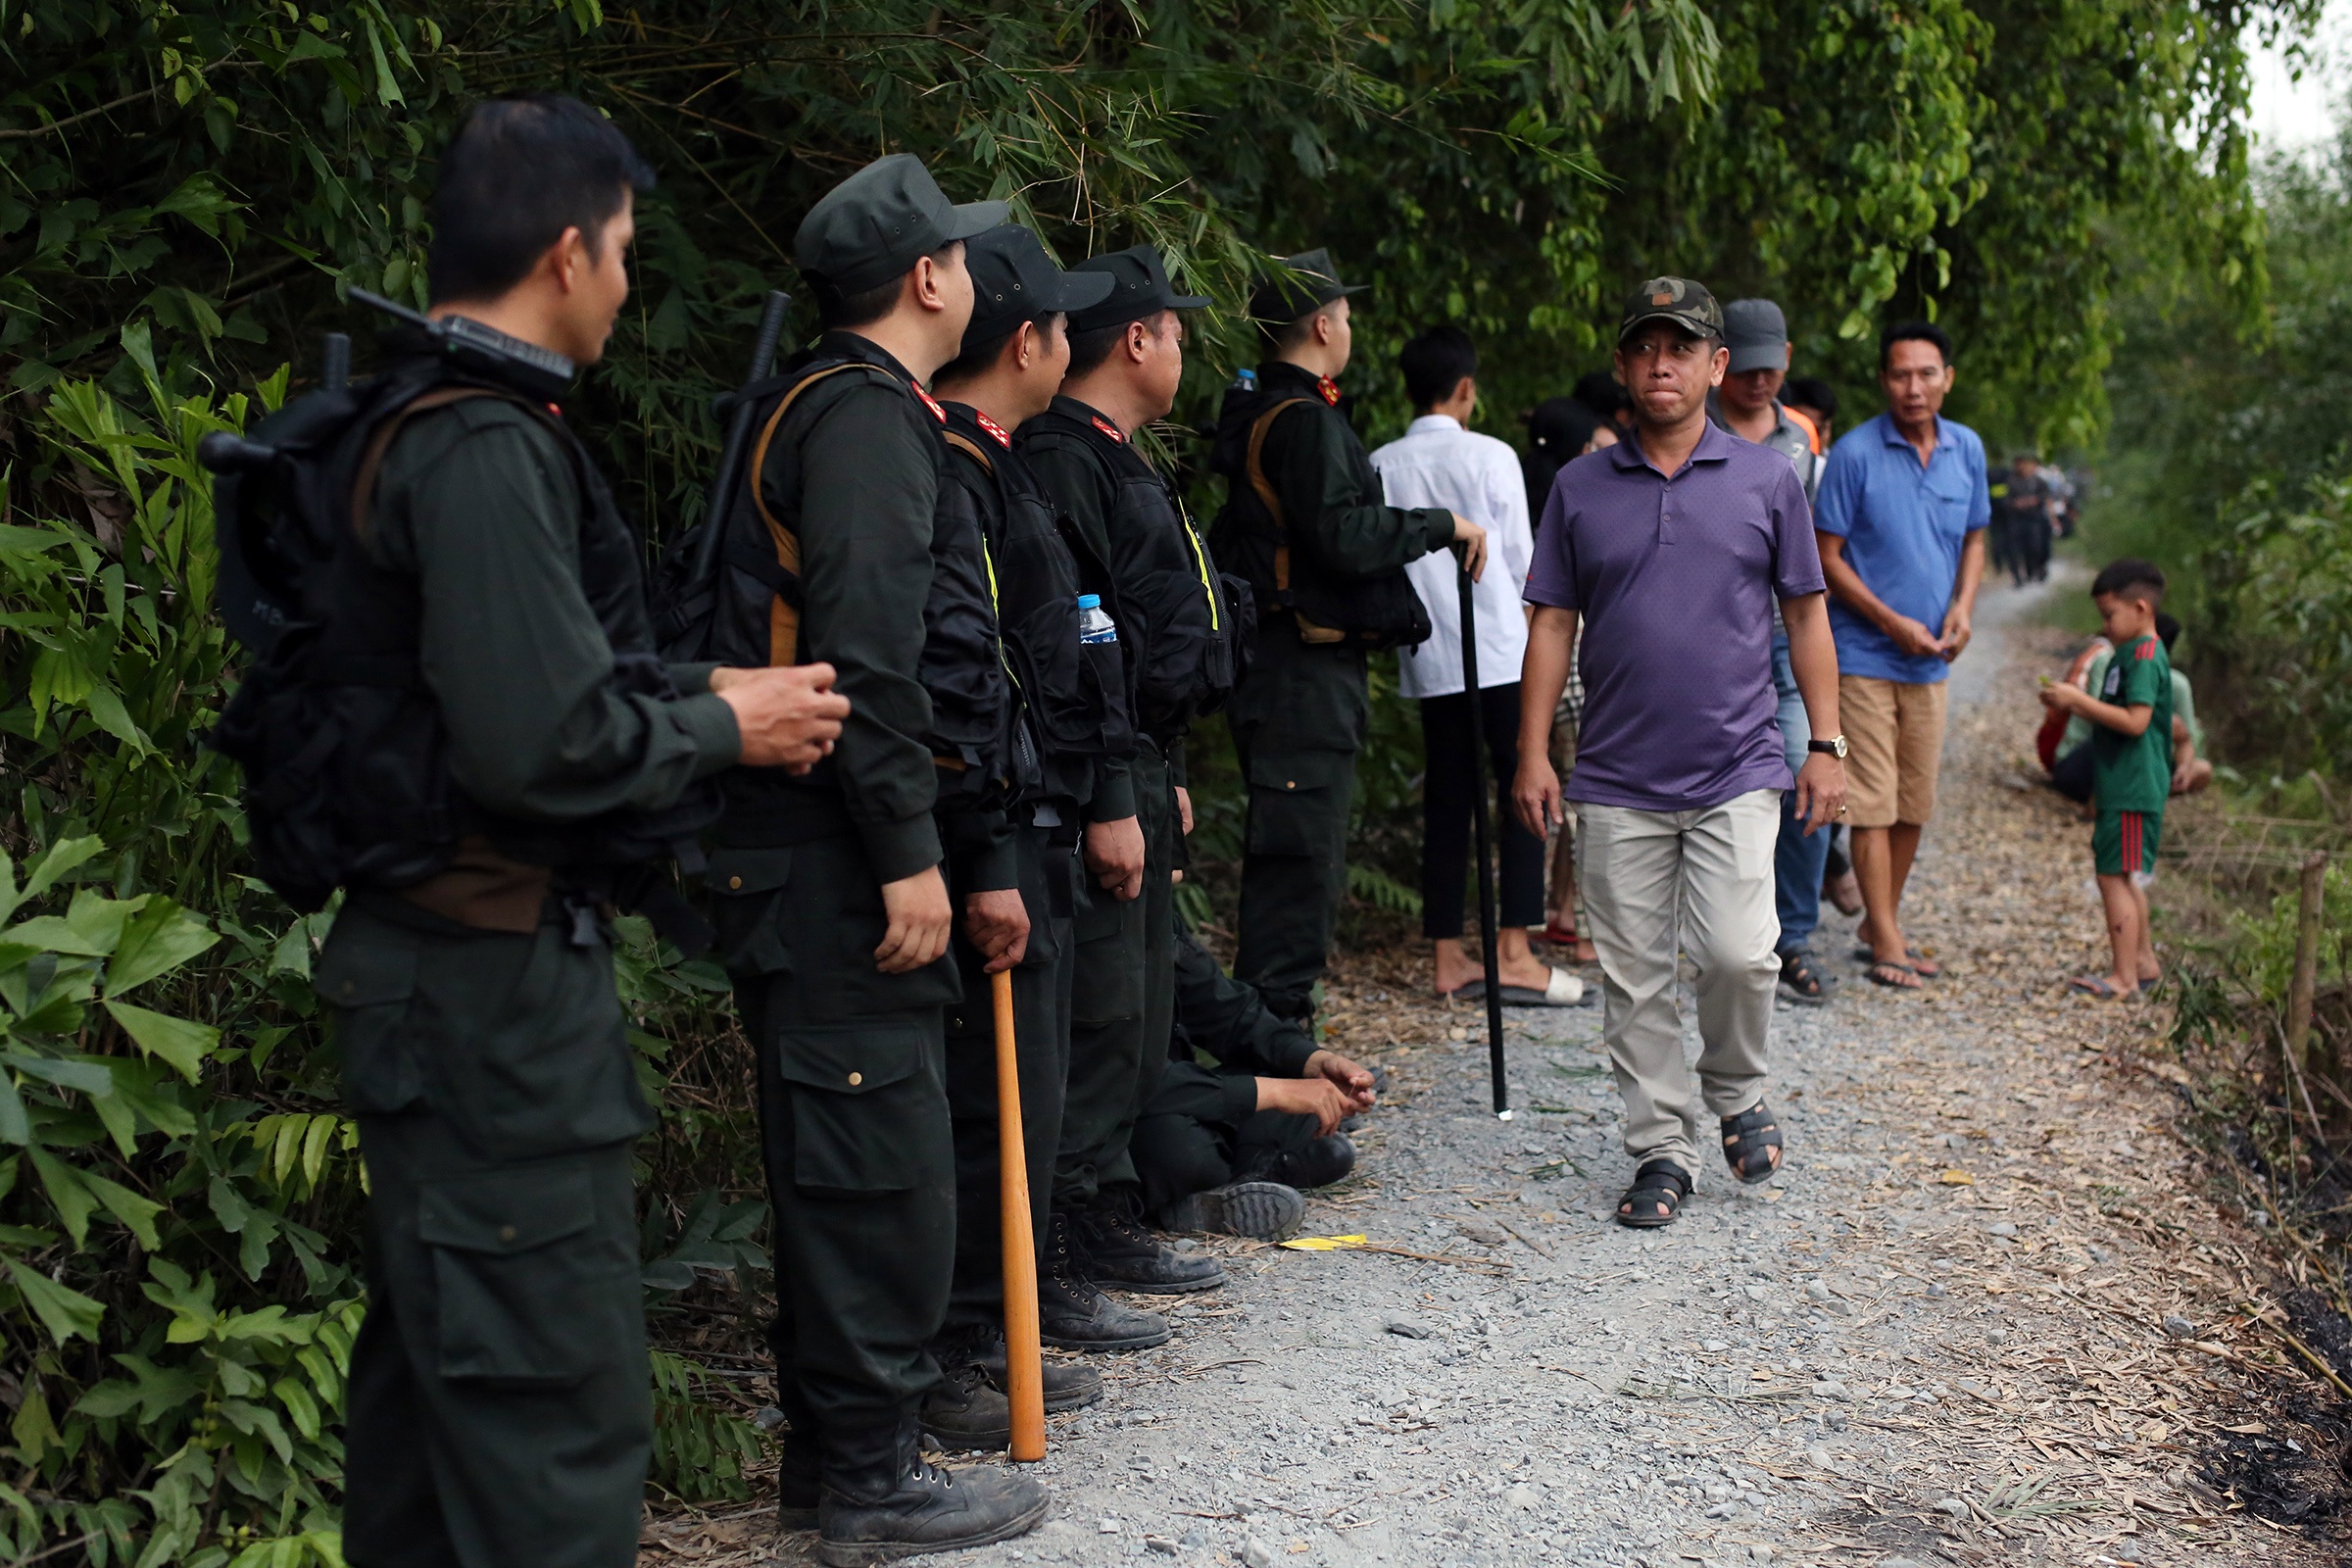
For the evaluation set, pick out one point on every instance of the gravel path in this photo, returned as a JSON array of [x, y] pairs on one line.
[[1941, 1335]]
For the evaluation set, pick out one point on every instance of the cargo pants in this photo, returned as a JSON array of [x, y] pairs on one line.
[[855, 1128], [1299, 721], [500, 1407]]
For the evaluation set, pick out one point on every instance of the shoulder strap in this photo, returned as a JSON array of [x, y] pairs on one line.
[[784, 619], [972, 449], [1264, 487], [380, 439]]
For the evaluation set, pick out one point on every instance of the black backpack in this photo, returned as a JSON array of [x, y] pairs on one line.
[[1187, 627], [1379, 612], [346, 782], [737, 600]]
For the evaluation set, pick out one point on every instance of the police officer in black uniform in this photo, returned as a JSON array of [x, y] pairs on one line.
[[499, 1406], [835, 903], [1176, 625], [1075, 722], [1324, 555]]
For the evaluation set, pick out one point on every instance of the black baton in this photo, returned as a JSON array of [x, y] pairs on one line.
[[1489, 930]]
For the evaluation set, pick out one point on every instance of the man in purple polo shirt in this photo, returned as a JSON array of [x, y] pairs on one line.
[[1670, 549]]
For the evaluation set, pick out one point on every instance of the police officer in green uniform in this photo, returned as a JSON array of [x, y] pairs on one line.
[[1175, 626], [1074, 722], [1305, 523], [835, 911], [499, 1406]]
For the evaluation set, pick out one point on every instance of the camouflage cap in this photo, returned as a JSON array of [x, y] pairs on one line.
[[1677, 300]]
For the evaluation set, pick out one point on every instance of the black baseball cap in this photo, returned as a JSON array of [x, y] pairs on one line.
[[1139, 288], [1757, 334], [1677, 300], [1014, 280], [1314, 282], [873, 225]]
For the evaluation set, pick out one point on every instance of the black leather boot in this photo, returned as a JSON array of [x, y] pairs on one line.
[[1114, 1248], [882, 1502], [1321, 1162], [1265, 1212], [966, 1411], [1069, 1385], [1074, 1313]]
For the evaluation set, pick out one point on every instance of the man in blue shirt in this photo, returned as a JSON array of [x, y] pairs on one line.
[[1900, 515]]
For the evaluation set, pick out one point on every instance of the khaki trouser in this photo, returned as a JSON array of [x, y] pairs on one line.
[[1658, 882]]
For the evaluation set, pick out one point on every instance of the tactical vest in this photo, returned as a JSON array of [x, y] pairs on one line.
[[1379, 612], [1185, 625], [1073, 693], [974, 737], [345, 756]]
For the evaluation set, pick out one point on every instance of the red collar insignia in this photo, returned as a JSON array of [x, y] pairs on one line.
[[937, 412], [1001, 436], [1110, 429], [1329, 388]]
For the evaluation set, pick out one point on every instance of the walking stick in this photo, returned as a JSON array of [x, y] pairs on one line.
[[1024, 1370], [1481, 814]]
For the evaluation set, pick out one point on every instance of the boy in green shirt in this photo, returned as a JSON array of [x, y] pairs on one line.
[[2132, 766]]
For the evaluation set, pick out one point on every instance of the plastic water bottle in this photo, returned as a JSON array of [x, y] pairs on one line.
[[1095, 627], [1245, 379]]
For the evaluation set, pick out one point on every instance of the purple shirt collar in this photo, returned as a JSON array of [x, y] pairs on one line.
[[1714, 446]]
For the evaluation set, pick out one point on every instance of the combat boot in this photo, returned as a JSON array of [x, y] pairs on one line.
[[1114, 1248], [1264, 1211], [965, 1412], [1069, 1385], [1319, 1163], [1073, 1312], [882, 1502]]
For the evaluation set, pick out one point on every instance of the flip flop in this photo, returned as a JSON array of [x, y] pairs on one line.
[[1910, 960], [2098, 988], [1564, 991]]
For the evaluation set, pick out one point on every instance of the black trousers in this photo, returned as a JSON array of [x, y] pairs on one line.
[[500, 1407], [855, 1132], [1041, 1020], [1448, 794], [1203, 1129], [1123, 1001]]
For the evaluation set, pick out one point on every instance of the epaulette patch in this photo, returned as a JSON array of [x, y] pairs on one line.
[[996, 431], [1107, 428], [937, 412], [1329, 388]]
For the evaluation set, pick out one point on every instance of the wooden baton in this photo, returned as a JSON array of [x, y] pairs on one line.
[[1024, 1369]]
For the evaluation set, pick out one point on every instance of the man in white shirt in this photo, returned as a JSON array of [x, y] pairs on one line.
[[1438, 463]]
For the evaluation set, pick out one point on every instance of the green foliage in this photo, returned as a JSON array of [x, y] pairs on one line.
[[2263, 948], [701, 1451], [2231, 470], [188, 187]]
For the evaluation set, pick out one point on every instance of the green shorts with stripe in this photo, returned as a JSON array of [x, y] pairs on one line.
[[2123, 843]]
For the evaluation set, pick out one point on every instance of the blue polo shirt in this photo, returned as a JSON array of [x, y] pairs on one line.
[[1904, 524]]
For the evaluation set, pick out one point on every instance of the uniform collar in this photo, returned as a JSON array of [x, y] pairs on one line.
[[1086, 414], [1298, 378], [851, 344], [963, 415], [1429, 422]]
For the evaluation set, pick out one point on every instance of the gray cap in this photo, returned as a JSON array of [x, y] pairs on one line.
[[1757, 334], [1139, 289], [1014, 280], [874, 225]]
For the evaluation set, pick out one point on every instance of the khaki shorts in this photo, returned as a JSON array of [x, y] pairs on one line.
[[1894, 730]]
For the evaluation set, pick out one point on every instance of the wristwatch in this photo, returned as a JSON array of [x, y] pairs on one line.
[[1834, 746]]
